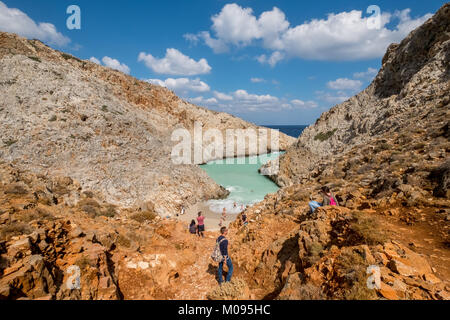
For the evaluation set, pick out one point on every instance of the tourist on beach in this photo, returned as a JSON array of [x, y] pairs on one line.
[[193, 227], [201, 225], [223, 244], [328, 200]]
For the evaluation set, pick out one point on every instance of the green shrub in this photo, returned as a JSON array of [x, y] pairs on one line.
[[105, 108], [53, 118], [325, 136]]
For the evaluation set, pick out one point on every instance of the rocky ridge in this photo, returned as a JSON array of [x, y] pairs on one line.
[[110, 132]]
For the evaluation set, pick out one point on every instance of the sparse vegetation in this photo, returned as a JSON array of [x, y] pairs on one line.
[[314, 252], [53, 118], [16, 189], [235, 289], [105, 108], [68, 57], [143, 216], [34, 58], [352, 268], [325, 136], [9, 142], [366, 229], [14, 229], [83, 263], [123, 241], [109, 211]]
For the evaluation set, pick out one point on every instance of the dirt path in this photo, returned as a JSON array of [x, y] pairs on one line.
[[199, 278]]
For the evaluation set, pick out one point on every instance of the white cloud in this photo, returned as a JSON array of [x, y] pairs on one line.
[[95, 60], [300, 104], [272, 60], [257, 80], [333, 98], [175, 63], [244, 96], [366, 75], [222, 96], [182, 85], [116, 65], [345, 84], [341, 36], [244, 102], [15, 21]]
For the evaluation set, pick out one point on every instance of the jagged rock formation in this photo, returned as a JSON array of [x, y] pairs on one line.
[[110, 132], [409, 94]]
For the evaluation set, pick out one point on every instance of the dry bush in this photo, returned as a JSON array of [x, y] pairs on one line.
[[352, 268], [14, 229], [236, 289], [366, 229], [143, 216]]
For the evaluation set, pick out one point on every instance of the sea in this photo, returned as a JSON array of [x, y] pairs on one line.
[[242, 179]]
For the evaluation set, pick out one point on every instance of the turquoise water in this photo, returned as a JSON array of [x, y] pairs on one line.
[[244, 182]]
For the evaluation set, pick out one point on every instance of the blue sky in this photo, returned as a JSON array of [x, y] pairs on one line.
[[268, 62]]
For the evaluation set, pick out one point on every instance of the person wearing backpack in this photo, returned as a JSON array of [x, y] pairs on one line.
[[328, 200], [222, 244]]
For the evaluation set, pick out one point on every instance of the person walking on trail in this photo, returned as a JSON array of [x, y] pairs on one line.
[[328, 200], [223, 245], [201, 225], [193, 227]]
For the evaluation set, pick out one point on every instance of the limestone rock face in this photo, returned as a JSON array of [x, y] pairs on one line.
[[108, 131], [409, 93]]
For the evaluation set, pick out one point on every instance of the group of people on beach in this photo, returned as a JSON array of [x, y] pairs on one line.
[[328, 199]]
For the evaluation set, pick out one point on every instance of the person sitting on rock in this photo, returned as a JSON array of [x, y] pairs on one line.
[[193, 227], [328, 200]]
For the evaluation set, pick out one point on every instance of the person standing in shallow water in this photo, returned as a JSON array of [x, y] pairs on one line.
[[328, 200], [201, 225], [223, 245]]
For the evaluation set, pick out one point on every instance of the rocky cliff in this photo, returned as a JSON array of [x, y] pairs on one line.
[[62, 116], [410, 93], [385, 155]]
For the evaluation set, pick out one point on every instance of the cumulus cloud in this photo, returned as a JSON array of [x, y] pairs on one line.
[[333, 98], [341, 36], [222, 96], [366, 75], [175, 63], [15, 21], [111, 63], [95, 60], [300, 104], [272, 60], [345, 84], [115, 64], [182, 85]]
